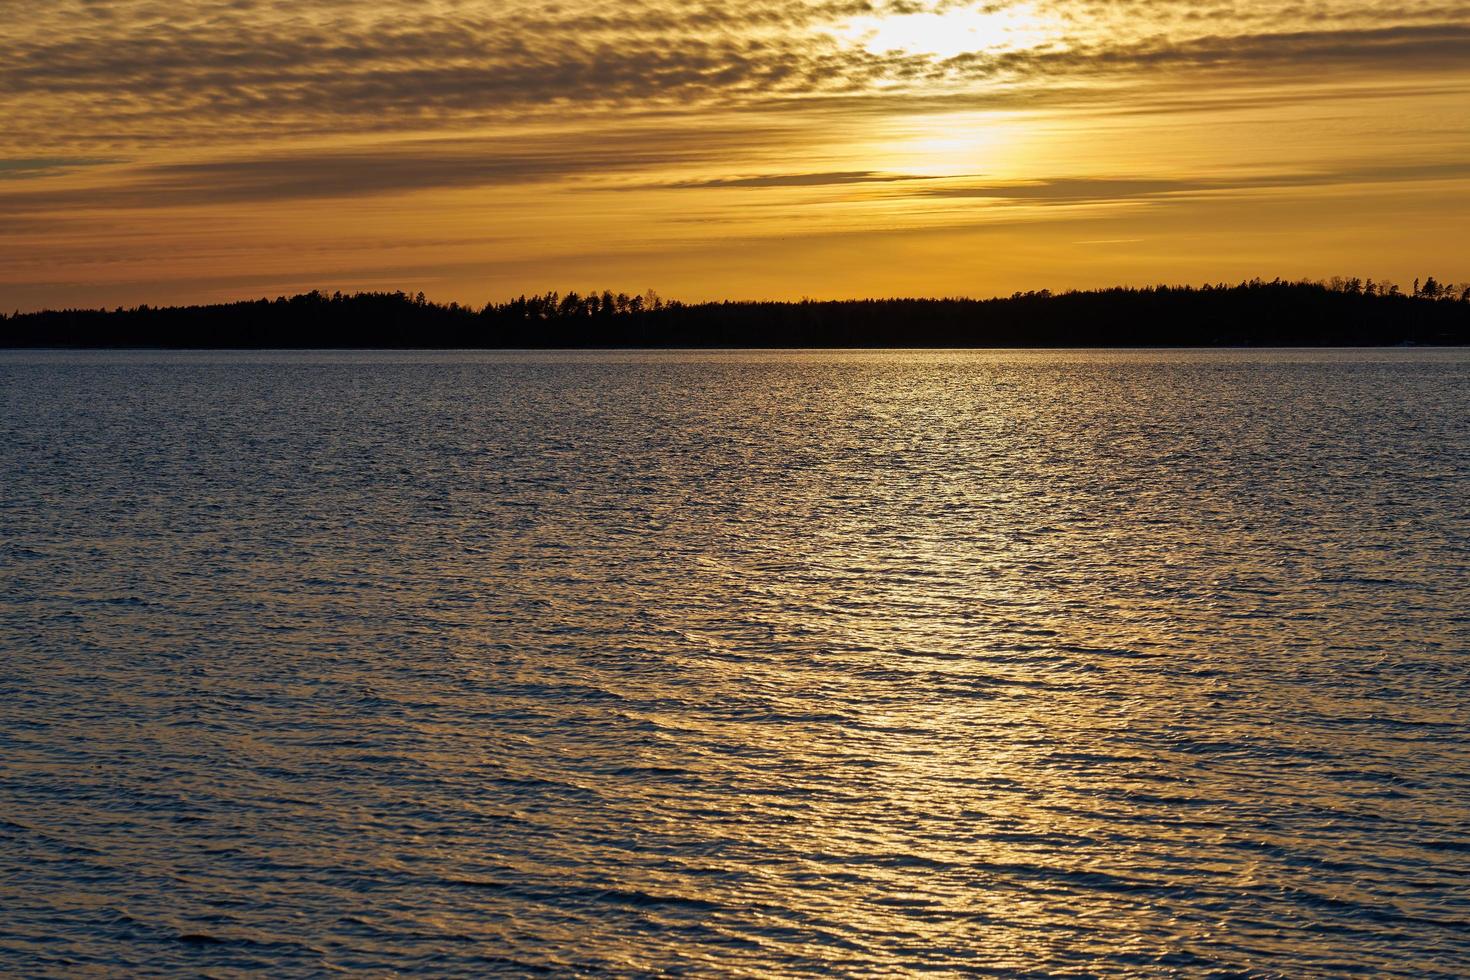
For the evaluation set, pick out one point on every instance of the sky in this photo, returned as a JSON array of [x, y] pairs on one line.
[[204, 150]]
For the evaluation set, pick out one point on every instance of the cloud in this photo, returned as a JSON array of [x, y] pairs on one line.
[[618, 161], [1071, 190], [136, 72], [399, 167], [31, 169], [251, 110], [1417, 49], [803, 180], [1114, 190]]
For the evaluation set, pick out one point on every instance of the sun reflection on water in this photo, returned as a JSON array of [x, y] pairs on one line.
[[748, 663]]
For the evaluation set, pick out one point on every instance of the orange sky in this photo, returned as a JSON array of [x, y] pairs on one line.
[[476, 149]]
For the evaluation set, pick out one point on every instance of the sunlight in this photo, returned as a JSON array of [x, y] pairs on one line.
[[953, 145], [946, 33]]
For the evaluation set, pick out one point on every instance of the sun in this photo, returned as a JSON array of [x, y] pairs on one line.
[[949, 31]]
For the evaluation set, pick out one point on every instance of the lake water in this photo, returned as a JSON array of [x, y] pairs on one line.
[[735, 663]]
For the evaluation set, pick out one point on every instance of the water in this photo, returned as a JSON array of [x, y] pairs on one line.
[[735, 663]]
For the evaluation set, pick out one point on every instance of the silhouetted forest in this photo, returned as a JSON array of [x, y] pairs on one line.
[[1340, 312]]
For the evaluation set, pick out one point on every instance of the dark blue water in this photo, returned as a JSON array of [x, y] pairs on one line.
[[735, 664]]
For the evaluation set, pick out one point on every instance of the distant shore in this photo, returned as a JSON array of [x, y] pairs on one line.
[[1249, 314]]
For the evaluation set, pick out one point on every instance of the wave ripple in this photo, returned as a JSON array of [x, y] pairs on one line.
[[739, 663]]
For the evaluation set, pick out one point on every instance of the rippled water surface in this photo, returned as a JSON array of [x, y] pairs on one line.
[[735, 663]]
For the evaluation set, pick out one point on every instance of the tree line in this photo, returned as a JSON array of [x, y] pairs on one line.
[[1340, 311]]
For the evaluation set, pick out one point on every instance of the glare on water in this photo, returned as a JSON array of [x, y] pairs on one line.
[[751, 663]]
